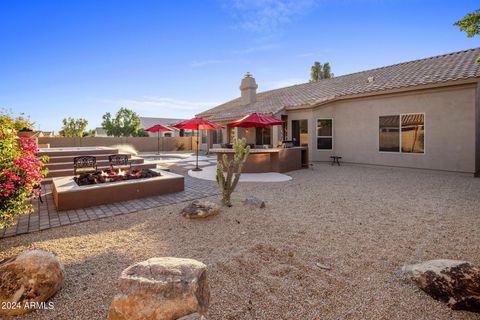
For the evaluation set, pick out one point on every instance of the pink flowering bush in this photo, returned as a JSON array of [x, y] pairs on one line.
[[20, 172]]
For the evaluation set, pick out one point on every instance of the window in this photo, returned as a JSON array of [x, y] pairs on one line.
[[203, 134], [389, 134], [300, 132], [413, 133], [325, 134], [167, 134], [263, 136], [217, 136], [402, 133]]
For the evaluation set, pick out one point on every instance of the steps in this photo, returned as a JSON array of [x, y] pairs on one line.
[[60, 162], [81, 151]]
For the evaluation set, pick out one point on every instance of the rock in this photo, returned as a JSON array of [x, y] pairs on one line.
[[456, 283], [254, 201], [30, 278], [162, 289], [193, 316], [323, 266], [200, 209]]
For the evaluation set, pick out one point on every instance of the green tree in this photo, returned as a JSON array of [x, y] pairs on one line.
[[142, 133], [327, 71], [319, 71], [21, 122], [90, 133], [471, 25], [316, 72], [125, 123], [74, 127]]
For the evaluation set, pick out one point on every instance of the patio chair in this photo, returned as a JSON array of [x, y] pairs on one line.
[[39, 186], [84, 164], [119, 160]]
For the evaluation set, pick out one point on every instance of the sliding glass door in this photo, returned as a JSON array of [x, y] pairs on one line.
[[300, 133]]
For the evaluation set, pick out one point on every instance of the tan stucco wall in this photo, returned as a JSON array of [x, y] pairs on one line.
[[449, 128]]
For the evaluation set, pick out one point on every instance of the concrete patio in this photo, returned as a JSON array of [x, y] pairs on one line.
[[46, 216]]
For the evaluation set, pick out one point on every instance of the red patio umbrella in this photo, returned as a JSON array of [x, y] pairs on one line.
[[257, 120], [158, 128], [197, 124]]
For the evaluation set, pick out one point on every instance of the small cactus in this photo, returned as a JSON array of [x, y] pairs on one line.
[[228, 183]]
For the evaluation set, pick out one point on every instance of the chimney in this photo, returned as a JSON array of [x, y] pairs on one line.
[[248, 88]]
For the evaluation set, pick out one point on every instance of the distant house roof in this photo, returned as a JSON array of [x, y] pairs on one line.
[[434, 70], [148, 121], [46, 133], [100, 132]]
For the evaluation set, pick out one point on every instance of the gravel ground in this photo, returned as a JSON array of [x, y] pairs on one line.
[[363, 222]]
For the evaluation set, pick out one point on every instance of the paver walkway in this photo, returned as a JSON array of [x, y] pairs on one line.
[[46, 216]]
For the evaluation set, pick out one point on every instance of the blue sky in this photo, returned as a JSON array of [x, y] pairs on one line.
[[176, 58]]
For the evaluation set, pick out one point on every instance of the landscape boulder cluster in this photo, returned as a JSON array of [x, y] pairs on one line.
[[163, 288], [28, 280], [456, 283]]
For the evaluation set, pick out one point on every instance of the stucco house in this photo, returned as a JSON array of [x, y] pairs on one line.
[[419, 114], [167, 122]]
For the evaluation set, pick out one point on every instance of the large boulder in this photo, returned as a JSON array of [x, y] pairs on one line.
[[200, 209], [28, 280], [162, 289], [456, 283]]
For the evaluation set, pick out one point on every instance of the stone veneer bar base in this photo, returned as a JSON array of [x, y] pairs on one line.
[[68, 195]]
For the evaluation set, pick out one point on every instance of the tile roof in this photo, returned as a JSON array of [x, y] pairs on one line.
[[448, 67], [149, 121]]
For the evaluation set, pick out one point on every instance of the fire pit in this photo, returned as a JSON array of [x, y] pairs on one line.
[[114, 175], [109, 186]]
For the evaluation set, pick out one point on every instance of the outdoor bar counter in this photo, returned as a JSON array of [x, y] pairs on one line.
[[270, 160]]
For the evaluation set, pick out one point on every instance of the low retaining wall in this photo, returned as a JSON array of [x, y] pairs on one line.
[[141, 144], [67, 195]]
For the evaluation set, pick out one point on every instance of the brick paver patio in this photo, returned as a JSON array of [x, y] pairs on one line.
[[46, 216]]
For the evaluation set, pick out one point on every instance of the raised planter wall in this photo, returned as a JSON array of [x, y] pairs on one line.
[[68, 195], [141, 144]]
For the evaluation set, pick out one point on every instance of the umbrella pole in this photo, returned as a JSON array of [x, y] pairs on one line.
[[197, 168]]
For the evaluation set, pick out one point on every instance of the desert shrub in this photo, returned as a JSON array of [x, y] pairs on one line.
[[20, 172], [227, 181]]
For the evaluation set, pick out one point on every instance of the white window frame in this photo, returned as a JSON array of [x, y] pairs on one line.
[[317, 136], [400, 133]]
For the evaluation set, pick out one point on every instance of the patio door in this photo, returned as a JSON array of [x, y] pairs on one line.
[[300, 132], [263, 136]]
